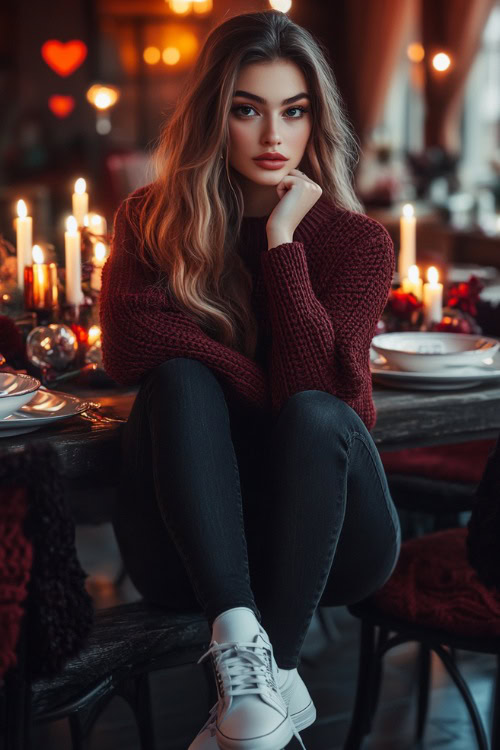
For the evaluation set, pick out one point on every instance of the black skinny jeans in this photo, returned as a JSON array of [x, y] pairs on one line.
[[220, 508]]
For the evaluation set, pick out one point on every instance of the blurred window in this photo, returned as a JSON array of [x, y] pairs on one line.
[[481, 117]]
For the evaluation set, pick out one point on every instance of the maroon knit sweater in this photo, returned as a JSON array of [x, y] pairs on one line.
[[317, 301]]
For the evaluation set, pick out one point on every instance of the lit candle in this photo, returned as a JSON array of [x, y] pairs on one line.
[[407, 245], [94, 335], [80, 201], [99, 260], [72, 244], [96, 224], [432, 298], [40, 290], [24, 231], [413, 283]]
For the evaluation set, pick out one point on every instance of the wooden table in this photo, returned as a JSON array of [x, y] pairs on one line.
[[89, 453]]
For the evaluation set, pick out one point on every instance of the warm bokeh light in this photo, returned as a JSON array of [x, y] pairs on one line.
[[441, 61], [282, 5], [22, 211], [187, 44], [432, 275], [181, 7], [71, 225], [408, 210], [413, 274], [171, 55], [93, 335], [37, 254], [415, 52], [103, 97], [100, 250], [202, 6], [80, 186], [151, 55]]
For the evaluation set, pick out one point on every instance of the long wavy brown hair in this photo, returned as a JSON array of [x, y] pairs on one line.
[[190, 220]]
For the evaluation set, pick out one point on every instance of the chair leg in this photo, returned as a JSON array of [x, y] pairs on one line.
[[360, 721], [451, 668], [136, 691], [495, 730], [377, 675], [424, 675], [80, 738]]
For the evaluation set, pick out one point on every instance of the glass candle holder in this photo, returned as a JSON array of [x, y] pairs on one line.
[[40, 287]]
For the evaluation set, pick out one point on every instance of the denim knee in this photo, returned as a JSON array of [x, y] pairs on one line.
[[314, 405], [177, 365]]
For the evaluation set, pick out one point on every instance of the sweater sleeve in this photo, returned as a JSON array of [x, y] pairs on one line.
[[141, 328], [323, 343]]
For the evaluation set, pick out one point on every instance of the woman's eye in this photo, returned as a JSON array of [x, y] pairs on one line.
[[302, 111]]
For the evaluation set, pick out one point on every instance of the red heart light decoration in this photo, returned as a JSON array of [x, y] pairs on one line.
[[61, 106], [62, 57]]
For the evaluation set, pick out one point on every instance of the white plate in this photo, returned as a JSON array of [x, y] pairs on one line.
[[46, 407], [16, 389], [432, 351], [447, 379]]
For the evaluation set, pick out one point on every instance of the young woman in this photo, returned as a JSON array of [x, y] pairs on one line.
[[242, 293]]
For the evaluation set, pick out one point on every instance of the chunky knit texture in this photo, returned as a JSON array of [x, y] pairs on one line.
[[433, 584], [39, 567], [16, 556], [317, 301]]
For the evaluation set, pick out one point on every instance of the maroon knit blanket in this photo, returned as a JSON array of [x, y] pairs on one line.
[[39, 565], [16, 556]]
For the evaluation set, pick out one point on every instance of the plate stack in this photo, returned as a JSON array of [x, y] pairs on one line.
[[433, 360], [25, 405]]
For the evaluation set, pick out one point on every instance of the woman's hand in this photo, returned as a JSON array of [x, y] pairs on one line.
[[298, 194]]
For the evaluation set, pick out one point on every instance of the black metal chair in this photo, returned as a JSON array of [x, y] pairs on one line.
[[393, 616]]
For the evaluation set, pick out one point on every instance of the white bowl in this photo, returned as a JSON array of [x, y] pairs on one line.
[[16, 389], [422, 351]]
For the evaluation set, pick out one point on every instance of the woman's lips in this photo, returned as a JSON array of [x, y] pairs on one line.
[[270, 163]]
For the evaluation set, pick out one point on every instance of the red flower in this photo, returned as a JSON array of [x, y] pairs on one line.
[[403, 304], [465, 295]]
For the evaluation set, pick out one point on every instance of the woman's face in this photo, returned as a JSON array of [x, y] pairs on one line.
[[268, 124]]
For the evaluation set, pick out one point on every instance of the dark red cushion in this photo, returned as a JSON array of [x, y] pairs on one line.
[[462, 462], [434, 585]]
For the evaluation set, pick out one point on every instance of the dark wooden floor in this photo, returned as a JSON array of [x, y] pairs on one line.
[[180, 700]]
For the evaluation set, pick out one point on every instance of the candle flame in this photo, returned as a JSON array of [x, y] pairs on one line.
[[408, 210], [22, 211], [94, 335], [432, 275], [71, 225], [86, 220], [80, 186], [96, 219], [37, 254], [100, 250], [413, 273], [441, 61]]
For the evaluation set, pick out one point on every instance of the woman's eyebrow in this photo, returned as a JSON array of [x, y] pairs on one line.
[[259, 99]]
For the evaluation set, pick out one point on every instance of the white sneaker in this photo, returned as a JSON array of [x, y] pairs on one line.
[[251, 713], [300, 707]]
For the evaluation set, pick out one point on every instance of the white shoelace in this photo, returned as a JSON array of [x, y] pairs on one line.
[[241, 671]]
